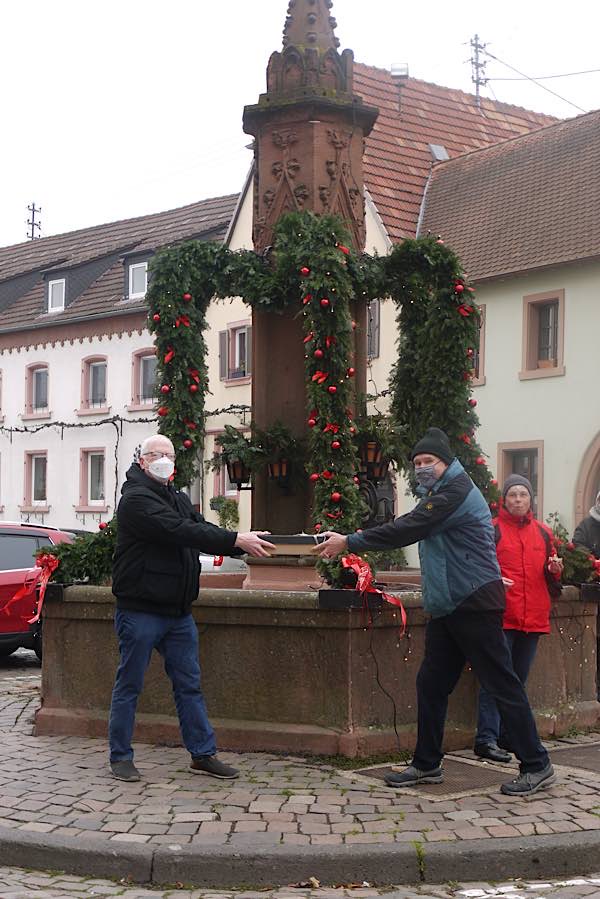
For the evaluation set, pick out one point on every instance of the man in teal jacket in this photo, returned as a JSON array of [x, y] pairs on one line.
[[464, 594]]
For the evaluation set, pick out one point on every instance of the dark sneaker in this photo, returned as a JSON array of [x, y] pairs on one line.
[[412, 775], [531, 782], [125, 770], [210, 764], [492, 752]]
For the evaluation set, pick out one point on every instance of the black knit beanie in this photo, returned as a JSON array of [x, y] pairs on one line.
[[516, 480], [435, 442]]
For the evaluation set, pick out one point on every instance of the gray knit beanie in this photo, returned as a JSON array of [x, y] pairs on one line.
[[516, 480]]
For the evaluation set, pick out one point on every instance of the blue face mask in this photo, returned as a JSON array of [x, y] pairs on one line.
[[426, 476]]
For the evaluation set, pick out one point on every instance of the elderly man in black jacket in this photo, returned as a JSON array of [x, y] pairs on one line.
[[155, 582]]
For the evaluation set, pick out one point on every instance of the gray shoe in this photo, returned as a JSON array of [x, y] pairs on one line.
[[412, 775], [125, 770], [531, 782], [213, 767]]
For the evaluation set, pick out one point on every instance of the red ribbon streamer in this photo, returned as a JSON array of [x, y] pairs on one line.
[[48, 564], [364, 585], [170, 355], [320, 377]]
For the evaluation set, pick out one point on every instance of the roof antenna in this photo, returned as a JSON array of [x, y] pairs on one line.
[[478, 68], [32, 223]]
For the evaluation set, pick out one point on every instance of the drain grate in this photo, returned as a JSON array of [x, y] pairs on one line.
[[462, 777], [586, 756]]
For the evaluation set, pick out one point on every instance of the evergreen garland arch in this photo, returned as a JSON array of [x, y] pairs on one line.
[[311, 269]]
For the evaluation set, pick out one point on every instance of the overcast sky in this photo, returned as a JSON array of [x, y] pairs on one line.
[[120, 108]]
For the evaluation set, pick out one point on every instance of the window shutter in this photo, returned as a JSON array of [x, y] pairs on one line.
[[373, 329], [249, 351], [223, 355]]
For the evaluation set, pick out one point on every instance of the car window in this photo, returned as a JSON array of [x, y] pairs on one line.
[[17, 551], [44, 541]]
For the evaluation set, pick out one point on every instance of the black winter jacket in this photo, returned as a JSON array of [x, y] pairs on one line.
[[587, 533], [159, 534]]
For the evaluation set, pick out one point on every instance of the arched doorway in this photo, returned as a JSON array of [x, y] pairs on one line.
[[588, 480]]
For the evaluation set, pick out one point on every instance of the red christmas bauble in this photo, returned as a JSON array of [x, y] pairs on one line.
[[470, 353], [324, 302], [193, 388], [156, 317], [304, 271], [336, 497], [335, 444], [494, 506], [332, 389], [480, 460], [354, 326], [459, 287], [102, 526], [187, 297], [353, 430], [165, 389], [163, 411], [318, 354], [188, 443], [351, 372], [314, 477], [327, 475], [311, 423], [191, 426], [570, 546], [472, 403], [494, 482], [318, 527], [356, 480]]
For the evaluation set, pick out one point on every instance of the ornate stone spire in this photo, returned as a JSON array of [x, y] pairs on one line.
[[310, 24]]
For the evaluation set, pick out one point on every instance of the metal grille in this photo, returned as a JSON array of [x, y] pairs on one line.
[[462, 777]]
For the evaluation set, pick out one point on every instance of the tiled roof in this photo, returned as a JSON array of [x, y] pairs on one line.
[[412, 116], [208, 218], [527, 203]]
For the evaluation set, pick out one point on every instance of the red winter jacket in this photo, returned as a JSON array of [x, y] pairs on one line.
[[523, 557]]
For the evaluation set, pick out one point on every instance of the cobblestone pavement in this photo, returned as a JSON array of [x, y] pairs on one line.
[[62, 785], [18, 884]]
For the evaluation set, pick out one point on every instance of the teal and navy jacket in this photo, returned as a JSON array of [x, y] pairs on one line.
[[453, 525]]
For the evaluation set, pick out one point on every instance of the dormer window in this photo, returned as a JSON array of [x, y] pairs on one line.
[[56, 295], [138, 280]]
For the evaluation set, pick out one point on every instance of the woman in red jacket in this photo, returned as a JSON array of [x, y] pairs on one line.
[[528, 562]]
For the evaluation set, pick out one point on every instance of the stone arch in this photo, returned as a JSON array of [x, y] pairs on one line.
[[588, 480]]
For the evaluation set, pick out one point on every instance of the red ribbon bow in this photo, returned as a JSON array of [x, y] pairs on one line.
[[320, 377], [330, 341], [170, 355], [194, 374], [364, 585], [331, 427], [182, 320], [309, 337], [48, 564], [465, 311]]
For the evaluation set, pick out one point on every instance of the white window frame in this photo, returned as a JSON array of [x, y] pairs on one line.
[[34, 375], [91, 402], [102, 500], [34, 458], [146, 401], [132, 267], [51, 306]]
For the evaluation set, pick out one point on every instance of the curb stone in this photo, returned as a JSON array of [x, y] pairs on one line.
[[479, 860]]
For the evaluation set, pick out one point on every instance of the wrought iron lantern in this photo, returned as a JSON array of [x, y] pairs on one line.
[[239, 474], [373, 464]]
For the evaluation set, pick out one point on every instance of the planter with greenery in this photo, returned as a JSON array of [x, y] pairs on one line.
[[580, 566], [227, 510], [241, 454]]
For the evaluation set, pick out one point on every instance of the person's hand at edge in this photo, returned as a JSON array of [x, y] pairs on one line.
[[333, 545], [251, 542]]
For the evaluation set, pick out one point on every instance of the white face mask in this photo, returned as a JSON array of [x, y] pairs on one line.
[[162, 468]]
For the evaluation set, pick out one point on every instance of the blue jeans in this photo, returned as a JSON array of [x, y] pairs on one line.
[[522, 649], [176, 639]]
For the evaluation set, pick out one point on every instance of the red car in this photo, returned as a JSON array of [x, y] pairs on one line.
[[18, 545]]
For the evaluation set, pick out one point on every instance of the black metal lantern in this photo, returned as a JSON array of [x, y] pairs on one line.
[[239, 474], [373, 463], [279, 471]]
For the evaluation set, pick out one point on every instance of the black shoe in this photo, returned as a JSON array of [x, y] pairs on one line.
[[125, 770], [526, 784], [492, 752], [210, 764], [412, 775]]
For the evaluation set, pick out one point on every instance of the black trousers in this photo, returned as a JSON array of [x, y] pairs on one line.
[[477, 637]]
